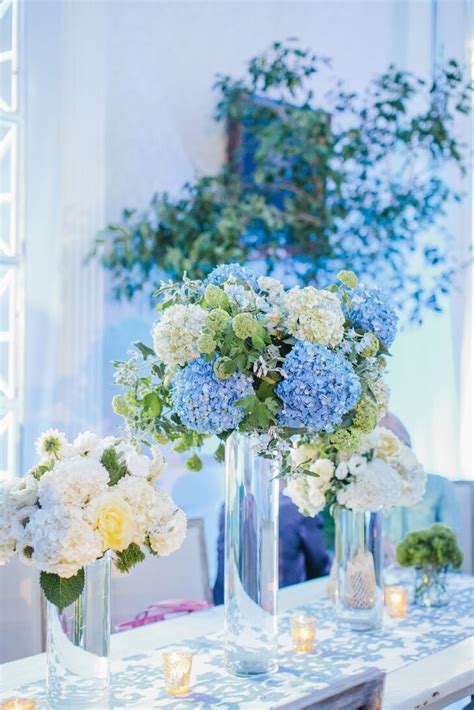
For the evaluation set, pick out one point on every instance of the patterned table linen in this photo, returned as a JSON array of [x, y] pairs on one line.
[[137, 680]]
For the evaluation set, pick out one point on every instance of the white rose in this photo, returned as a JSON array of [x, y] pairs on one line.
[[356, 464], [342, 470], [138, 464]]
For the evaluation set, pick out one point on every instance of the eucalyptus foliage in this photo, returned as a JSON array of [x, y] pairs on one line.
[[338, 178]]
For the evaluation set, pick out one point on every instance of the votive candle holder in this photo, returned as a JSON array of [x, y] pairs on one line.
[[19, 704], [303, 632], [396, 601], [177, 667]]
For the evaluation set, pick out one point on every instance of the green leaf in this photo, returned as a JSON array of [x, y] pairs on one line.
[[111, 462], [128, 558], [152, 406], [194, 463], [62, 591], [219, 453], [144, 349]]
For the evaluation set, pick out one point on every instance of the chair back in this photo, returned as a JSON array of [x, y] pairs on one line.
[[363, 691], [184, 575], [21, 618]]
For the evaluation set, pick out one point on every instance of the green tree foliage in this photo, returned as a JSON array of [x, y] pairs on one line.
[[340, 179]]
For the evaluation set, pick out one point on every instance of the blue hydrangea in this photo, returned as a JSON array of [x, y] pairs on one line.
[[372, 312], [206, 404], [222, 272], [320, 388]]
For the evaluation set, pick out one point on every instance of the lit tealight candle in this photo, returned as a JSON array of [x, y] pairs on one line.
[[177, 671], [303, 632], [396, 599], [19, 704]]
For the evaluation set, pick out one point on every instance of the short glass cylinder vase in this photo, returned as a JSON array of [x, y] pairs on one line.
[[78, 645], [431, 586], [251, 558], [359, 597]]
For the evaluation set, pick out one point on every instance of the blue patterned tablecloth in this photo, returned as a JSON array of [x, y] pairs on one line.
[[137, 680]]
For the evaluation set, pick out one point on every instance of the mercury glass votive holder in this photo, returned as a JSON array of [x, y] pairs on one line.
[[19, 704], [303, 632], [177, 667], [396, 601]]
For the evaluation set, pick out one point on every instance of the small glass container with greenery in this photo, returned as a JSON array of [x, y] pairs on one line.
[[431, 552]]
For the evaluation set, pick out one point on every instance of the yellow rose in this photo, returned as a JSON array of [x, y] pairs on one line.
[[113, 519]]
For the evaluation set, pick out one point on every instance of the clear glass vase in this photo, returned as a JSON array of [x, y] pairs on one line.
[[78, 644], [431, 586], [360, 569], [251, 558]]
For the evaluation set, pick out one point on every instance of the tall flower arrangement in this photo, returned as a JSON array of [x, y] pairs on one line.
[[81, 500], [240, 352]]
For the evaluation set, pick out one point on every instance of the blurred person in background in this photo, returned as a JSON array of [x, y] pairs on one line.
[[302, 552], [438, 505]]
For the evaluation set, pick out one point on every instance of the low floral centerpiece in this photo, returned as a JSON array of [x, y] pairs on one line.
[[84, 503], [431, 552], [381, 473], [357, 485], [239, 357], [82, 500]]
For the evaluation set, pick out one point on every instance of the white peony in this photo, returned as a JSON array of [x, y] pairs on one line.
[[167, 536], [306, 494], [176, 334], [62, 541], [73, 482], [324, 469], [315, 315]]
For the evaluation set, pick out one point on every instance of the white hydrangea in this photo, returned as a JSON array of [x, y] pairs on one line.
[[176, 334], [73, 482], [375, 486], [315, 315], [7, 541], [306, 494], [62, 540], [168, 535], [23, 492], [149, 505]]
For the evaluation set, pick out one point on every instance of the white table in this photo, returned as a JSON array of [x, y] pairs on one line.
[[435, 680]]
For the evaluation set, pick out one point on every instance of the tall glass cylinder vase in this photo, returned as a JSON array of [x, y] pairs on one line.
[[78, 645], [251, 558], [360, 569]]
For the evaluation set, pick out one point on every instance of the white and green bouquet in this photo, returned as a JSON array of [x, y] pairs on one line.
[[238, 352], [82, 500], [382, 473]]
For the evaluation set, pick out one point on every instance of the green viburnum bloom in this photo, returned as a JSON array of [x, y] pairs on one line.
[[206, 344], [219, 368], [217, 319], [120, 406], [348, 278], [346, 440], [215, 296], [372, 347], [244, 325], [365, 418]]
